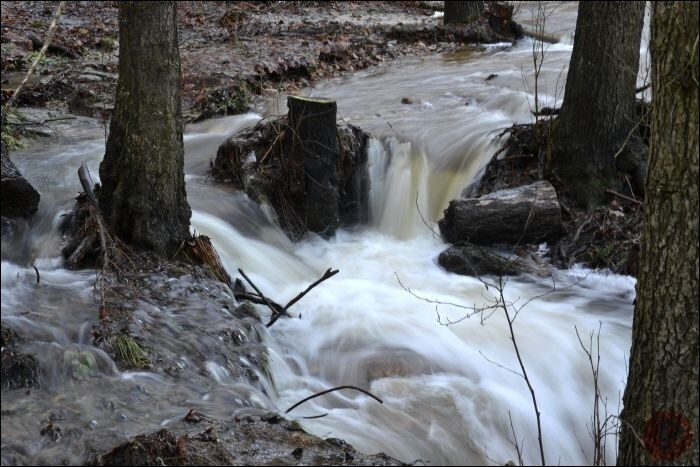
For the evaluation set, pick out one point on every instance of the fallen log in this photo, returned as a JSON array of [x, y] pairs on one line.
[[526, 214]]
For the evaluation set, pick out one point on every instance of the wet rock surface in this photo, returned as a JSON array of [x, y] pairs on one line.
[[19, 370], [19, 197]]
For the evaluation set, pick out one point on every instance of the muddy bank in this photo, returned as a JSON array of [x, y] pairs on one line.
[[198, 439], [231, 53]]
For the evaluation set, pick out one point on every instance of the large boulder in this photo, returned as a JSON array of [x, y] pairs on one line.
[[525, 214], [18, 196]]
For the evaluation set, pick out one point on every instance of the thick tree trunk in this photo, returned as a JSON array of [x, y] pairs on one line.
[[598, 112], [526, 214], [143, 186], [314, 147], [661, 397], [462, 12]]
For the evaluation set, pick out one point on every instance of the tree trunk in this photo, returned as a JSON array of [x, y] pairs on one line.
[[598, 112], [143, 186], [314, 147], [527, 214], [462, 12], [661, 397]]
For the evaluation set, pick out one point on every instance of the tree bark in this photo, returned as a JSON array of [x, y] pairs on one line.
[[313, 146], [143, 186], [661, 397], [526, 214], [598, 112], [462, 12]]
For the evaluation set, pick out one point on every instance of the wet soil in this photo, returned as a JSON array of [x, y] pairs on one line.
[[249, 440], [232, 53]]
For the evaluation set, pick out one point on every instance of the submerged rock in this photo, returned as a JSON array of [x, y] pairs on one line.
[[474, 260], [19, 370]]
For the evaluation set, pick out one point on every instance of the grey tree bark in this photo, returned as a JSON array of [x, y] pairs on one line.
[[462, 12], [660, 416], [143, 186], [598, 112]]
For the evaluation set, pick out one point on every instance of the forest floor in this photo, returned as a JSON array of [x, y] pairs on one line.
[[231, 52]]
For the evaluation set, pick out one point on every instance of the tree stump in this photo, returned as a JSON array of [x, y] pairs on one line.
[[462, 12], [313, 146], [527, 214]]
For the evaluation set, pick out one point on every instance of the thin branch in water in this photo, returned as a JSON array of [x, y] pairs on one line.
[[518, 448], [318, 394]]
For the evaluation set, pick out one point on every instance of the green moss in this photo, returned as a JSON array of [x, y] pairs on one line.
[[128, 351], [107, 43], [11, 133], [82, 363]]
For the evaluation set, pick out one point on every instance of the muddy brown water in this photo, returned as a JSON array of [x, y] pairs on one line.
[[446, 390]]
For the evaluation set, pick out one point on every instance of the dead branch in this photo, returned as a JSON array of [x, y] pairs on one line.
[[620, 195], [42, 52], [276, 308], [86, 182], [54, 48], [326, 275], [331, 390]]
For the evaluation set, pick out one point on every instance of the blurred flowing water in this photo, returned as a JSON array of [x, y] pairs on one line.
[[447, 390]]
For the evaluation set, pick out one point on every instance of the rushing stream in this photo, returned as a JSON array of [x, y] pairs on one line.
[[447, 390]]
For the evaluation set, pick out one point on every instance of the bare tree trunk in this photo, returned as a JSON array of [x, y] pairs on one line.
[[598, 112], [462, 12], [660, 416], [143, 186]]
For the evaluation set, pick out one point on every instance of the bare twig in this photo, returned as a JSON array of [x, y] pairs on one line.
[[331, 390], [624, 196], [518, 448]]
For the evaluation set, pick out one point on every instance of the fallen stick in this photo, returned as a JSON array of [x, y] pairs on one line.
[[274, 307], [55, 48], [86, 182], [623, 196], [331, 390], [326, 275]]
